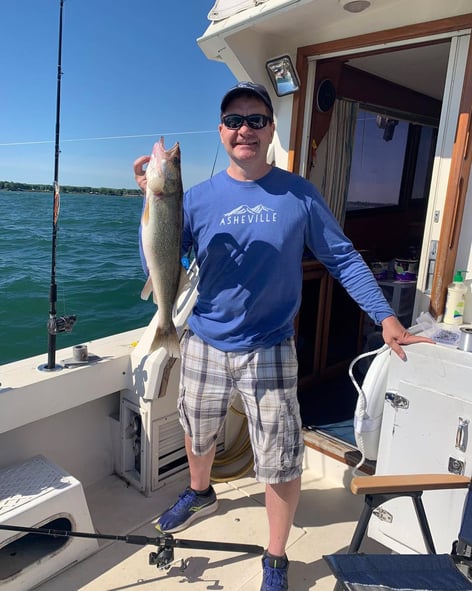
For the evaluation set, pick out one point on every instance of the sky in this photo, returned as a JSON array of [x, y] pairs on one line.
[[131, 72]]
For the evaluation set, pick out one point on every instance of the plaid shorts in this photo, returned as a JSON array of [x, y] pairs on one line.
[[266, 380]]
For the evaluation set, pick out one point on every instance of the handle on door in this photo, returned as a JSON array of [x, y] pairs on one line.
[[461, 434]]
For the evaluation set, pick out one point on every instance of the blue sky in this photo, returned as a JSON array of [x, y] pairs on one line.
[[132, 71]]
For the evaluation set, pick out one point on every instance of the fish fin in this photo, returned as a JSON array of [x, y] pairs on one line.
[[145, 214], [184, 282], [168, 339], [147, 289]]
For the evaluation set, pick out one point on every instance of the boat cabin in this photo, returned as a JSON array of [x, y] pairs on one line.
[[378, 118]]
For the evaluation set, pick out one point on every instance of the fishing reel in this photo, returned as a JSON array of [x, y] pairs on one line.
[[164, 556], [61, 324]]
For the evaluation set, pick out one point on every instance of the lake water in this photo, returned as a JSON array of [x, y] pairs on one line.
[[98, 270]]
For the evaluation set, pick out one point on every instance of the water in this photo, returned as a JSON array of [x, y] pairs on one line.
[[98, 271]]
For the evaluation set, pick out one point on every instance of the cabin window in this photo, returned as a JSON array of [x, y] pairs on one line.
[[391, 163]]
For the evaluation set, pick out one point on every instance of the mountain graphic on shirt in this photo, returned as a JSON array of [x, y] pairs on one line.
[[242, 215], [244, 209]]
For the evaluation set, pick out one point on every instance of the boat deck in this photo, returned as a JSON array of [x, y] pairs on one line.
[[324, 523]]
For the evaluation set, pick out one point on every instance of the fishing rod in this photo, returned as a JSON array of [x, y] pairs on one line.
[[64, 323], [165, 544]]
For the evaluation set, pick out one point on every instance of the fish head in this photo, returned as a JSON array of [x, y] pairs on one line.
[[163, 174]]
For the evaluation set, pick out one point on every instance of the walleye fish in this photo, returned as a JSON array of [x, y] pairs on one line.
[[161, 235]]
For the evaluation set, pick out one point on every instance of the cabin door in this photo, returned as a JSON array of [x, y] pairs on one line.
[[395, 164], [406, 102]]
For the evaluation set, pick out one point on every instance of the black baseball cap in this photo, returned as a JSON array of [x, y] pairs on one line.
[[247, 87]]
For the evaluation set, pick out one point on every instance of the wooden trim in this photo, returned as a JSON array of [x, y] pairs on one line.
[[298, 109], [326, 324], [398, 483], [337, 450], [314, 270], [457, 186], [425, 29]]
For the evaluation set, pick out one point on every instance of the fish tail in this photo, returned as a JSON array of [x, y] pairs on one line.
[[167, 338]]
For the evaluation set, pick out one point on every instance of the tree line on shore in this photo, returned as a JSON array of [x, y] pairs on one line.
[[14, 186]]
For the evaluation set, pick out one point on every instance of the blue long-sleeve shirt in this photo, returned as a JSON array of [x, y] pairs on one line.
[[249, 239]]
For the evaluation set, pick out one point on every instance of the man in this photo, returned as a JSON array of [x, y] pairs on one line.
[[249, 226]]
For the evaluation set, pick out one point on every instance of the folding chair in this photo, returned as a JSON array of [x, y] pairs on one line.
[[411, 572]]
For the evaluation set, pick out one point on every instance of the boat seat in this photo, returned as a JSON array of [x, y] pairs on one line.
[[38, 493], [355, 571]]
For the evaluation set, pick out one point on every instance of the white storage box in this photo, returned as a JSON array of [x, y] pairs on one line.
[[38, 493]]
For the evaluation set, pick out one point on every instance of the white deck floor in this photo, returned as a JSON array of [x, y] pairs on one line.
[[324, 523]]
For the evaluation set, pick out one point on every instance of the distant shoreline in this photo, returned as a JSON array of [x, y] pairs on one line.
[[39, 188]]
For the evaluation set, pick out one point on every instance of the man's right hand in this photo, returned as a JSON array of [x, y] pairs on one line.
[[140, 172]]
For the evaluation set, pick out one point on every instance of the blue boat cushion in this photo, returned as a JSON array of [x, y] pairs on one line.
[[396, 572]]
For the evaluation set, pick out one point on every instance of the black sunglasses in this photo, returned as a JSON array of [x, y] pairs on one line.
[[255, 121]]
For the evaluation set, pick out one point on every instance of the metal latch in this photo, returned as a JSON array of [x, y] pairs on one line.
[[383, 515], [396, 400], [456, 466], [461, 434]]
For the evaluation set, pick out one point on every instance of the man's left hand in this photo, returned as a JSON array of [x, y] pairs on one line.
[[395, 334]]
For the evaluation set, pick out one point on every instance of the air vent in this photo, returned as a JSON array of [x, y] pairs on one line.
[[169, 449]]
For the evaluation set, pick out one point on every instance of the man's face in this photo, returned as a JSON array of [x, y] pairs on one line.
[[247, 145]]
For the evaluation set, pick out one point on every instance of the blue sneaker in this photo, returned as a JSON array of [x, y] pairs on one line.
[[274, 573], [189, 506]]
